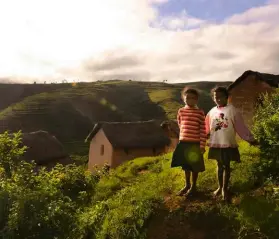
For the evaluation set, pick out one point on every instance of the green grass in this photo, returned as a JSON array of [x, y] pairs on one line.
[[130, 195], [135, 171], [138, 199]]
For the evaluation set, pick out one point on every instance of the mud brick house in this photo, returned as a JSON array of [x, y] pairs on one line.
[[113, 143], [245, 92]]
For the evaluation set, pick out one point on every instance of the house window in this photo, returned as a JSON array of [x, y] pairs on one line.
[[102, 150]]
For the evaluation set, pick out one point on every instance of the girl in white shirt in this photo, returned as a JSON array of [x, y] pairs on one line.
[[222, 123]]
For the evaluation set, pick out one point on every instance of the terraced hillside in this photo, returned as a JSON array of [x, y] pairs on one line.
[[13, 93], [69, 111]]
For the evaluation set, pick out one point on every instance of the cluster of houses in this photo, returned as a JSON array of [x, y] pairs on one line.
[[113, 143]]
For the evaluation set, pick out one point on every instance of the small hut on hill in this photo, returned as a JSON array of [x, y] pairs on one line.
[[44, 149], [116, 142], [246, 90]]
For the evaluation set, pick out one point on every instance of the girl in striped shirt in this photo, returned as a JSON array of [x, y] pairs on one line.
[[192, 137]]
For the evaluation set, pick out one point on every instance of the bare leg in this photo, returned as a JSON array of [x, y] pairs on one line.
[[194, 179], [220, 173], [188, 179], [187, 184], [194, 183], [226, 180]]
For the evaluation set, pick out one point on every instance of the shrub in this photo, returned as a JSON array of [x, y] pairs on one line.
[[266, 131], [40, 203]]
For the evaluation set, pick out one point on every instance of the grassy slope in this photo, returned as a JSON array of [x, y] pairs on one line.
[[69, 112], [138, 200]]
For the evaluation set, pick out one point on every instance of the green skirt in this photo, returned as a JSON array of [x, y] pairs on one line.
[[224, 155], [188, 156]]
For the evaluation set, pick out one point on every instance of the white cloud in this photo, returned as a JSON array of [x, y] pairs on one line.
[[91, 40], [266, 13], [179, 22]]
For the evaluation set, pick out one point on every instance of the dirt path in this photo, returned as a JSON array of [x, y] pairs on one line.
[[189, 218]]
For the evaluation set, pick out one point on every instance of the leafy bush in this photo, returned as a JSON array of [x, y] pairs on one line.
[[266, 130], [36, 203]]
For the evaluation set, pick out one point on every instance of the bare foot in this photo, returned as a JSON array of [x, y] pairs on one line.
[[217, 192], [183, 190], [191, 191]]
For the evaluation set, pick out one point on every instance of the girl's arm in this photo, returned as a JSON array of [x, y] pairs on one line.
[[241, 129], [178, 118], [202, 132], [207, 125]]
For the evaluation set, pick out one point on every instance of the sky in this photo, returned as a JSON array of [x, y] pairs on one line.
[[149, 40]]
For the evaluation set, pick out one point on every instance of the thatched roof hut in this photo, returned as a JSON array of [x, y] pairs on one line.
[[44, 149], [140, 134]]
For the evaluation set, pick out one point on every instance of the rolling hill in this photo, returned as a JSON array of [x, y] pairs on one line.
[[69, 111]]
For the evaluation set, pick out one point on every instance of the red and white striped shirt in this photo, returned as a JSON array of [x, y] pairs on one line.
[[191, 122]]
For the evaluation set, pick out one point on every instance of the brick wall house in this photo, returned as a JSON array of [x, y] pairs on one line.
[[245, 92]]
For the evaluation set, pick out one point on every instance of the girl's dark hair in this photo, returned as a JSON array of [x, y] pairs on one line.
[[188, 90], [220, 89]]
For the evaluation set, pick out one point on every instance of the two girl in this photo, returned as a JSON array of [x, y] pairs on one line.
[[221, 125]]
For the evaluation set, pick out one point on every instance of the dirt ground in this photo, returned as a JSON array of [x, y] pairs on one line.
[[189, 218]]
